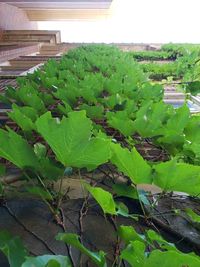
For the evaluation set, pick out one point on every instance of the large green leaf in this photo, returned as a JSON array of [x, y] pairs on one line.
[[132, 164], [173, 130], [19, 115], [134, 254], [121, 122], [179, 120], [93, 112], [104, 199], [171, 258], [192, 130], [47, 261], [150, 118], [29, 96], [72, 239], [15, 149], [172, 176], [128, 233], [193, 87], [13, 248], [72, 142]]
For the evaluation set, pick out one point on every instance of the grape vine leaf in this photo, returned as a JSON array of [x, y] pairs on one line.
[[29, 96], [128, 233], [193, 215], [193, 87], [132, 164], [72, 142], [18, 114], [104, 198], [121, 122], [93, 112], [182, 177], [150, 118], [72, 239], [125, 190], [13, 249], [162, 258], [134, 254], [47, 261], [173, 130], [15, 149]]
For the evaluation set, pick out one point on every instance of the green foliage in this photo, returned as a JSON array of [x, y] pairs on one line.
[[24, 117], [60, 110], [47, 261], [104, 199], [13, 249], [182, 177], [131, 164], [72, 142], [15, 149], [158, 71], [72, 239], [193, 216], [151, 55]]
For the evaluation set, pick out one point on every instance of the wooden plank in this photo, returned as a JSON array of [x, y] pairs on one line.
[[66, 14]]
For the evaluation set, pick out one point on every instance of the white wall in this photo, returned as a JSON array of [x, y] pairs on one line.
[[13, 18]]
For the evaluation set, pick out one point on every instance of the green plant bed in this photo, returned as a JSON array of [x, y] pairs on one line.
[[152, 55], [159, 72], [89, 113]]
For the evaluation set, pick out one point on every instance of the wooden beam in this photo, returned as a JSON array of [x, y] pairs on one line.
[[66, 14]]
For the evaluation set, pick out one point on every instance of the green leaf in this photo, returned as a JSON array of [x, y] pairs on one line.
[[49, 169], [153, 237], [53, 263], [193, 87], [150, 118], [192, 130], [193, 216], [15, 149], [151, 92], [72, 239], [173, 130], [182, 177], [47, 261], [132, 164], [122, 209], [13, 249], [180, 119], [128, 233], [118, 120], [158, 258], [125, 191], [93, 112], [38, 191], [19, 116], [2, 170], [104, 199], [72, 142], [134, 254], [29, 96]]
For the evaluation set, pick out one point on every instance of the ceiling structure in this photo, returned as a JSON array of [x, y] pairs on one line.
[[51, 10], [60, 4]]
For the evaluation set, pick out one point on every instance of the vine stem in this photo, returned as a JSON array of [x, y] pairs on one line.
[[60, 196]]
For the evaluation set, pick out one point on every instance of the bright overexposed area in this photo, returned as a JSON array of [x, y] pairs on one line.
[[136, 21]]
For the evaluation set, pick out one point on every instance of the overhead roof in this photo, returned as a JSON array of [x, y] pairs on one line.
[[60, 4]]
